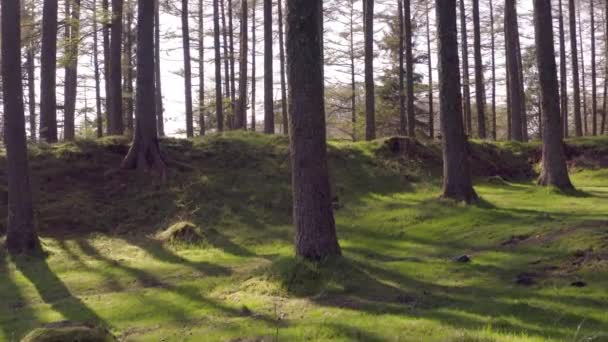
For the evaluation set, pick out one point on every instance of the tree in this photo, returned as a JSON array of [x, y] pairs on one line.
[[72, 46], [241, 112], [97, 75], [105, 6], [409, 72], [515, 83], [201, 67], [575, 73], [480, 88], [402, 113], [232, 74], [129, 70], [563, 76], [21, 237], [593, 71], [316, 237], [227, 75], [430, 73], [457, 182], [370, 93], [117, 125], [219, 105], [158, 107], [253, 61], [466, 89], [493, 48], [31, 71], [187, 70], [282, 69], [144, 153], [268, 60], [555, 172], [48, 72]]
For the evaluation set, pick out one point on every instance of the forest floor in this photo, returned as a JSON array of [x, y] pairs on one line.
[[538, 268]]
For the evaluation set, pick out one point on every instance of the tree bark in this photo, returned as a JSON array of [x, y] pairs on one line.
[[493, 48], [555, 172], [268, 70], [593, 71], [409, 71], [524, 114], [187, 70], [158, 106], [106, 62], [466, 88], [219, 99], [583, 75], [253, 66], [480, 88], [316, 237], [99, 123], [430, 71], [21, 237], [144, 154], [282, 65], [457, 182], [370, 93], [232, 60], [230, 116], [128, 74], [513, 71], [563, 76], [353, 84], [402, 113], [241, 113], [578, 125], [48, 73], [31, 87], [201, 68], [117, 127], [71, 67]]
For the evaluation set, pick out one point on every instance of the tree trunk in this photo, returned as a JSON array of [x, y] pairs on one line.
[[316, 237], [230, 116], [555, 172], [117, 127], [144, 154], [457, 182], [370, 93], [106, 62], [593, 71], [480, 88], [430, 71], [97, 73], [493, 47], [31, 87], [466, 89], [201, 68], [129, 106], [187, 70], [513, 71], [409, 71], [353, 84], [158, 106], [604, 114], [578, 125], [583, 75], [253, 67], [241, 113], [563, 76], [402, 113], [268, 70], [21, 237], [232, 60], [282, 64], [524, 114], [219, 99], [48, 72], [71, 67]]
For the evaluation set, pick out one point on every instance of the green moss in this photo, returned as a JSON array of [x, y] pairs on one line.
[[69, 332]]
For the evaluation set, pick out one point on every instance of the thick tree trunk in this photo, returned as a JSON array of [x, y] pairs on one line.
[[466, 88], [515, 103], [563, 76], [158, 106], [370, 92], [480, 88], [593, 71], [48, 73], [409, 70], [241, 113], [282, 65], [268, 70], [219, 99], [187, 70], [253, 67], [201, 67], [99, 123], [578, 124], [457, 182], [230, 114], [117, 127], [106, 62], [555, 172], [430, 71], [493, 47], [316, 237], [21, 237], [144, 154], [402, 113], [71, 67]]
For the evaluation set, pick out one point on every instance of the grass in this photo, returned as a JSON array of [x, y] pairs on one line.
[[396, 281]]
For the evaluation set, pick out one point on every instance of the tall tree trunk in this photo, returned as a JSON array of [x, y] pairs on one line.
[[578, 124], [316, 237], [117, 127], [555, 172], [158, 105], [409, 70], [282, 65], [515, 103], [71, 67], [524, 114], [466, 89], [144, 154], [430, 71], [402, 113], [593, 72], [201, 67], [241, 113], [253, 66], [480, 88], [493, 48], [370, 93], [99, 123], [21, 237], [219, 99], [187, 70], [604, 107], [563, 76], [232, 59], [268, 70], [106, 62], [457, 182], [226, 48], [583, 75], [353, 85], [128, 74], [31, 87], [48, 73]]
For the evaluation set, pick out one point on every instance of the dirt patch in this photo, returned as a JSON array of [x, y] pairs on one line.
[[69, 331]]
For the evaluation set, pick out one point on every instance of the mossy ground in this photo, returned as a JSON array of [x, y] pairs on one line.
[[396, 281]]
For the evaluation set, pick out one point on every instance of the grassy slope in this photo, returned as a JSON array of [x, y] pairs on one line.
[[396, 281]]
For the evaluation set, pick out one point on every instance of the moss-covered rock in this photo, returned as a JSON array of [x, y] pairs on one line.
[[69, 332]]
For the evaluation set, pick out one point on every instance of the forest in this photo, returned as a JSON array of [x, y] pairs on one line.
[[303, 170]]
